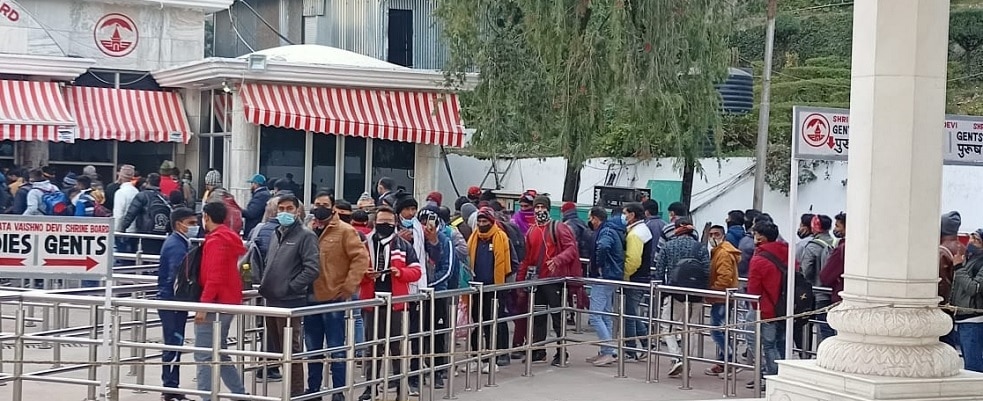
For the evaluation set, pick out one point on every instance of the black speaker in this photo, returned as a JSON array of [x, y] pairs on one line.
[[611, 197]]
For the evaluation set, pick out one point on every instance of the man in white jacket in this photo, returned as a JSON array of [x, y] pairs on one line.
[[121, 203], [40, 185]]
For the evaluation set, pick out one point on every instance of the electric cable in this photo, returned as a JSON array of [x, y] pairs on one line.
[[268, 25]]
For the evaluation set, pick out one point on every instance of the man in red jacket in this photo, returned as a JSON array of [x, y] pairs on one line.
[[551, 251], [765, 280], [220, 284], [832, 274]]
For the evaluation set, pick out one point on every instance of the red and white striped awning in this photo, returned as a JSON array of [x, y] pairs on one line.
[[34, 111], [129, 115], [418, 117]]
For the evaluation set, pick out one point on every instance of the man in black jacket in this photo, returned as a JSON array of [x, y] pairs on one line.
[[141, 208], [292, 265], [253, 214]]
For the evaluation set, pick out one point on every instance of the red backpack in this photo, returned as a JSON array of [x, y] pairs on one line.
[[234, 217]]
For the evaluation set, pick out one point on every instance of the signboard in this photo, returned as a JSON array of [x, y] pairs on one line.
[[43, 246], [823, 134], [116, 35], [8, 12]]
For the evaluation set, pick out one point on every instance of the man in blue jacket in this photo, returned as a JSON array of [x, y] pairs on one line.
[[184, 225], [439, 260], [608, 262], [256, 209]]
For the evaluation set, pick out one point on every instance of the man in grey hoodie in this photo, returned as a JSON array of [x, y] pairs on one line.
[[292, 265], [39, 186]]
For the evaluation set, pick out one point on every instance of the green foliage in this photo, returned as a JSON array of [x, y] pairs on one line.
[[966, 29], [579, 78]]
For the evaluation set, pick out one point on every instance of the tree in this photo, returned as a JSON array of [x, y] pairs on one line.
[[572, 77]]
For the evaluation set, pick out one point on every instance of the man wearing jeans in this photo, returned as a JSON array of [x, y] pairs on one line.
[[723, 275], [184, 224], [343, 263], [220, 284], [639, 243], [765, 280], [608, 262]]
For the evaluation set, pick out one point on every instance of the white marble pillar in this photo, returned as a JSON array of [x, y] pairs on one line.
[[425, 173], [888, 326], [243, 153]]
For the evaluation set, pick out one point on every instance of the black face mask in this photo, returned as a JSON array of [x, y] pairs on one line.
[[347, 218], [322, 213], [803, 234], [384, 230], [485, 229]]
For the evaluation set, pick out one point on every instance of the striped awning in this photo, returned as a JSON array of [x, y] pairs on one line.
[[129, 115], [34, 111], [418, 117]]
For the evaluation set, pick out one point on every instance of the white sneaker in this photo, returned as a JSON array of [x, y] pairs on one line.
[[473, 366], [487, 368], [605, 360], [676, 369]]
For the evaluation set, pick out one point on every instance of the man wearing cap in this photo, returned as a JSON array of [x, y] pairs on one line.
[[167, 182], [526, 216], [551, 251], [184, 225], [474, 192], [253, 214], [435, 199], [491, 261], [950, 249]]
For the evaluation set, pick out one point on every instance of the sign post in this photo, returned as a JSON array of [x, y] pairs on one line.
[[62, 247], [823, 134]]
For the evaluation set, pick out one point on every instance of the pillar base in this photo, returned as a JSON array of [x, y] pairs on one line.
[[803, 380]]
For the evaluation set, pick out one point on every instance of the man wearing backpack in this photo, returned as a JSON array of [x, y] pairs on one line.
[[814, 256], [491, 261], [184, 225], [551, 252], [684, 262], [256, 208], [291, 267], [638, 269], [585, 246], [151, 211], [765, 279], [40, 186], [724, 256], [967, 292], [949, 248], [343, 262]]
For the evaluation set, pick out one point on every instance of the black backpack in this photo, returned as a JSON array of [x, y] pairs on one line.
[[690, 273], [805, 299], [156, 218], [187, 281], [517, 241]]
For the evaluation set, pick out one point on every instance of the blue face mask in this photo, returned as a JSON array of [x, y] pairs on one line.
[[285, 218], [624, 219], [407, 223], [193, 231]]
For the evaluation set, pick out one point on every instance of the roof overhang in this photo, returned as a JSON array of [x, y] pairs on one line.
[[208, 6], [55, 67], [213, 72]]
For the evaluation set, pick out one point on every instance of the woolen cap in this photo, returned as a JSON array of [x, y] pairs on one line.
[[542, 200]]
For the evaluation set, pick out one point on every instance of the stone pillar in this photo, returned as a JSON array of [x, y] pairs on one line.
[[243, 153], [32, 154], [425, 172], [888, 324]]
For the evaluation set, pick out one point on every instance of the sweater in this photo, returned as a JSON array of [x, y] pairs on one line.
[[562, 251], [402, 257], [498, 250], [765, 279], [723, 268], [219, 274], [832, 274]]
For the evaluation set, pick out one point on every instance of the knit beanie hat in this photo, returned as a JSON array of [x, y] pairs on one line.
[[487, 213], [167, 167], [467, 210], [473, 192], [365, 201], [403, 201], [950, 223], [568, 206], [126, 172], [90, 171], [542, 200], [436, 197], [69, 179], [213, 178]]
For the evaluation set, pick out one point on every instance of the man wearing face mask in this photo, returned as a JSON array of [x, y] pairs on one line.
[[804, 233], [607, 262], [639, 242], [491, 261], [344, 210], [184, 225], [551, 251], [393, 267], [411, 231], [343, 262], [723, 275], [291, 268], [967, 293], [832, 274]]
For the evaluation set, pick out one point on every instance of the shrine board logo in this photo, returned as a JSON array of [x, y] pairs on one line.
[[116, 35], [816, 130]]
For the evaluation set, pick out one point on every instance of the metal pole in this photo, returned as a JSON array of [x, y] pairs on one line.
[[449, 387], [793, 199], [761, 149], [114, 378], [406, 353], [561, 350], [529, 325], [18, 389], [94, 317], [686, 337], [350, 354], [653, 340], [621, 338], [493, 362], [216, 355], [287, 349]]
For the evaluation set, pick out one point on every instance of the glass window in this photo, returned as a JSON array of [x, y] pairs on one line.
[[324, 152], [205, 111], [281, 152], [395, 160], [6, 149], [83, 151], [204, 162], [145, 156], [354, 168]]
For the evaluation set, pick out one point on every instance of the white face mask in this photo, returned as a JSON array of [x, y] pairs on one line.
[[193, 231], [714, 243]]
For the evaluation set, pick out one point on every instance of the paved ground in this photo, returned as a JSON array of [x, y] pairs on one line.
[[577, 382]]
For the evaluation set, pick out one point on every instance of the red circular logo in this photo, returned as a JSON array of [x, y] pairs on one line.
[[116, 35], [815, 130]]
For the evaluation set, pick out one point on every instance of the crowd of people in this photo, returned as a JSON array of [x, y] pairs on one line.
[[332, 251]]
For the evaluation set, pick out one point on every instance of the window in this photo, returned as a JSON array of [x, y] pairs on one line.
[[400, 37], [145, 156], [354, 167], [7, 149], [211, 155], [81, 152], [324, 165], [395, 160], [281, 152]]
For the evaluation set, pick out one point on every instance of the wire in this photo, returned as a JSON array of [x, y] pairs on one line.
[[235, 29], [113, 84], [447, 166], [44, 27], [263, 20]]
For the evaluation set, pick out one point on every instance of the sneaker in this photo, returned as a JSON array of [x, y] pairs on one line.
[[471, 366], [593, 358], [414, 391], [337, 397], [556, 360], [642, 356], [438, 382], [488, 367], [271, 375], [366, 395], [750, 385], [538, 356], [714, 370], [676, 369], [733, 373], [518, 355], [173, 397], [503, 360], [605, 360]]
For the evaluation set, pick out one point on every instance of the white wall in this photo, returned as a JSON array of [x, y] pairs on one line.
[[717, 191], [167, 35]]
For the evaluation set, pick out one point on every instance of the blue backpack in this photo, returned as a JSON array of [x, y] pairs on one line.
[[55, 203]]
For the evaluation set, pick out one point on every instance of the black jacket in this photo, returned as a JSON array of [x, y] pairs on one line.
[[292, 265], [139, 205], [253, 214]]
